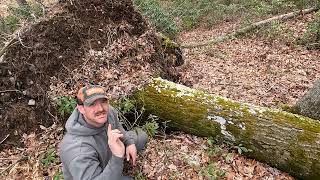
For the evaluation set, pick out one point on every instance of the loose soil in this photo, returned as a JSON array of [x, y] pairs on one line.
[[96, 41]]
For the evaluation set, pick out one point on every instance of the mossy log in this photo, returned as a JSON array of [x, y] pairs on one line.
[[287, 141]]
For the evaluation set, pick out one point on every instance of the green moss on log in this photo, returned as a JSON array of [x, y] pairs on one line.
[[281, 139]]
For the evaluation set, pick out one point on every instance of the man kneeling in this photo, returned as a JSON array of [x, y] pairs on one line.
[[95, 143]]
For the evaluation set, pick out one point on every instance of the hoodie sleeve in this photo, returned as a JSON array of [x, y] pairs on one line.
[[127, 138], [86, 167]]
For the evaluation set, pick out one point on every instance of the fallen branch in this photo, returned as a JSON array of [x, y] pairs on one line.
[[3, 50], [54, 117], [8, 159], [20, 40], [10, 90], [4, 138], [10, 166], [249, 28]]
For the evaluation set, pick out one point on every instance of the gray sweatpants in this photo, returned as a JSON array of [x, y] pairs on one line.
[[140, 138]]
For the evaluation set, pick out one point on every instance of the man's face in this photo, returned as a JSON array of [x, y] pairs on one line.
[[96, 113]]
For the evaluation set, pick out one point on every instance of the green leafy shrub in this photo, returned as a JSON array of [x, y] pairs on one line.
[[49, 158], [190, 12], [66, 105], [273, 7], [172, 16], [58, 176], [138, 175], [241, 149], [212, 171], [9, 24], [311, 38], [29, 13], [158, 16], [19, 14], [151, 126], [124, 105], [130, 114], [276, 30]]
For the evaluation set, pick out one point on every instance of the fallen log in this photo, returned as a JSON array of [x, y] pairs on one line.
[[249, 28], [283, 140]]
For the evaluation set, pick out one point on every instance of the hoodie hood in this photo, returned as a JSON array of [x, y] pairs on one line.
[[78, 126]]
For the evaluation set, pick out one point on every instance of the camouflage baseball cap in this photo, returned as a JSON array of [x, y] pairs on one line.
[[88, 94]]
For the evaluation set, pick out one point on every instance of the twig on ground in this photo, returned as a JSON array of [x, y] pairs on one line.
[[54, 117], [10, 166], [10, 90], [4, 138], [8, 159], [3, 50], [20, 40], [66, 68]]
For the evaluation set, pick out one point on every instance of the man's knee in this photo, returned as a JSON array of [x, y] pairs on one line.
[[140, 138]]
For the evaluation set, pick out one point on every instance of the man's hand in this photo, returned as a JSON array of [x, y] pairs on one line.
[[131, 151], [116, 145]]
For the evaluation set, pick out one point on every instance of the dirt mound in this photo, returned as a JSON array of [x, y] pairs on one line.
[[89, 41]]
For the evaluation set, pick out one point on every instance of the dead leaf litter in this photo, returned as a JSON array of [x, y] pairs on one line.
[[250, 69]]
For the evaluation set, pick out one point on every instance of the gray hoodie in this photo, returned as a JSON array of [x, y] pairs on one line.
[[84, 150]]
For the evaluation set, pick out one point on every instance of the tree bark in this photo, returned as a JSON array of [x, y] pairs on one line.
[[287, 141], [249, 28]]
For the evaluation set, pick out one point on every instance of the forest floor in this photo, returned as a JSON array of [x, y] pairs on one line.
[[265, 69]]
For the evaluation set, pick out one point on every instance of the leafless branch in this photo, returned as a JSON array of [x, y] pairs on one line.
[[10, 90], [4, 138]]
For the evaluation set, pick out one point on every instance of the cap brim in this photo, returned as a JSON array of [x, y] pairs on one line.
[[90, 100]]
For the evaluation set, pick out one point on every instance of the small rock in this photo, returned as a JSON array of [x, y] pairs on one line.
[[12, 80], [193, 160], [184, 148], [172, 167], [32, 68], [91, 52], [24, 92], [32, 102]]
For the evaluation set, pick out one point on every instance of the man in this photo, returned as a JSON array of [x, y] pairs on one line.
[[95, 143]]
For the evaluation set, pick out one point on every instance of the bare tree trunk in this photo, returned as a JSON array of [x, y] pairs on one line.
[[287, 141]]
